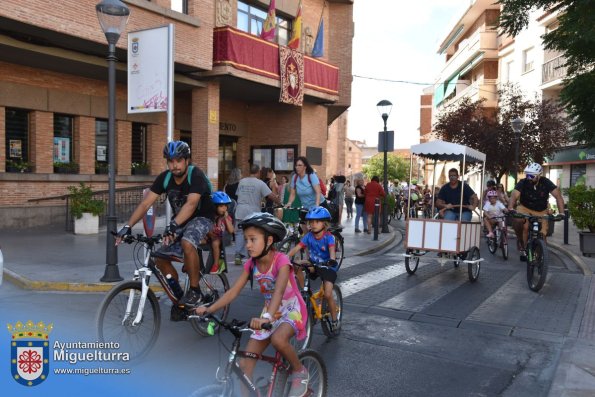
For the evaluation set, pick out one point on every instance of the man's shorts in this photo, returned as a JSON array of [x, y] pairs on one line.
[[544, 225], [194, 231]]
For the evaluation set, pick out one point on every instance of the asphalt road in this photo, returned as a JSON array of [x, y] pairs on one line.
[[429, 334]]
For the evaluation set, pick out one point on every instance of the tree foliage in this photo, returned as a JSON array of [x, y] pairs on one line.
[[575, 37], [397, 167], [469, 123]]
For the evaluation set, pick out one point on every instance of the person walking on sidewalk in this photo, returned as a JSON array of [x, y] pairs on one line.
[[349, 196], [533, 193], [189, 193], [251, 191], [340, 193], [374, 190], [360, 200]]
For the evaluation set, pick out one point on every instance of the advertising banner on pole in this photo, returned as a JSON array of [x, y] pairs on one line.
[[149, 64]]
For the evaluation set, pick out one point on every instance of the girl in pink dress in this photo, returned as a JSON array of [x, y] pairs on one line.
[[283, 303]]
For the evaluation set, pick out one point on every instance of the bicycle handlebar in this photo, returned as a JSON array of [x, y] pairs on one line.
[[129, 238], [315, 265], [555, 218], [234, 325]]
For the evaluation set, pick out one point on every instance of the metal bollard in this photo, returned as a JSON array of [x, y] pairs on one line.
[[566, 226], [375, 219]]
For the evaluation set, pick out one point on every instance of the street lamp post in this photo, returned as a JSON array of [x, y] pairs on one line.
[[384, 108], [112, 15], [517, 126]]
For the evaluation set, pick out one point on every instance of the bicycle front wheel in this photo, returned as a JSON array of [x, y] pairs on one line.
[[411, 263], [318, 384], [212, 286], [399, 212], [473, 268], [537, 265], [492, 247], [504, 245], [117, 314], [327, 327]]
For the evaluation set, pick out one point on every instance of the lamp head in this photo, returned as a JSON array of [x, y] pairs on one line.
[[384, 107], [517, 125], [112, 16]]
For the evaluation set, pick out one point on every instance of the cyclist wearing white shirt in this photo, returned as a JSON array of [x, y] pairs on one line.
[[493, 210]]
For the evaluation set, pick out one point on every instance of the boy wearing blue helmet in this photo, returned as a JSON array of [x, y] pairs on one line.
[[319, 244], [222, 222]]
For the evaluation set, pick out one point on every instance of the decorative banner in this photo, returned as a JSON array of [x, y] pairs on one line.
[[148, 70], [292, 76]]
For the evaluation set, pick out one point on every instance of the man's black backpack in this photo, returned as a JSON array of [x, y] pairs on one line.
[[332, 194]]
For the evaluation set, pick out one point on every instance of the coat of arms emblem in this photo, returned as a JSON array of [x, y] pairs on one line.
[[29, 352]]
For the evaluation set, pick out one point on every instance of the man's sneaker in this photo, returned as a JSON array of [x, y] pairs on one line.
[[238, 260], [335, 325], [523, 255], [299, 383], [190, 299], [357, 230], [490, 235]]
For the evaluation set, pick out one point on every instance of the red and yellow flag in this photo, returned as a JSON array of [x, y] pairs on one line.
[[294, 43], [268, 29]]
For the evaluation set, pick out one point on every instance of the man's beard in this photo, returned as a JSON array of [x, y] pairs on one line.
[[179, 173]]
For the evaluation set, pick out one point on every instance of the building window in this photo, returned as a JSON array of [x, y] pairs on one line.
[[139, 143], [577, 174], [279, 158], [508, 72], [63, 128], [180, 6], [101, 146], [16, 126], [528, 60], [251, 19]]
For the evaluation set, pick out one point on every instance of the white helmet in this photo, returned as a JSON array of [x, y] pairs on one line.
[[534, 169]]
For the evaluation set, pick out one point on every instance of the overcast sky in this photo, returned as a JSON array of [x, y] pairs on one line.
[[396, 40]]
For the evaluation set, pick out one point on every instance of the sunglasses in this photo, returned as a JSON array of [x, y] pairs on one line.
[[453, 176], [530, 176]]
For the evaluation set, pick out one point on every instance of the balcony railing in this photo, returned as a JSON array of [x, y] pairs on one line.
[[553, 70], [249, 53]]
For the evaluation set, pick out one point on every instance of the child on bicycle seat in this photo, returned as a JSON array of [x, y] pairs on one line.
[[222, 222], [284, 307], [493, 209], [320, 246]]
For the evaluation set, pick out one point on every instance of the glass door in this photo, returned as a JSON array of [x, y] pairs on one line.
[[227, 157]]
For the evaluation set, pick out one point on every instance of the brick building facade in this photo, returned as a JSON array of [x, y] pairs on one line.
[[53, 96]]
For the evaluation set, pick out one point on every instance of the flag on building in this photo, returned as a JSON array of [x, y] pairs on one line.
[[318, 49], [294, 43], [268, 28]]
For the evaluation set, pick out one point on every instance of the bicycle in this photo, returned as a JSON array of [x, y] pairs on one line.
[[295, 234], [277, 384], [124, 316], [500, 239], [318, 309], [537, 255]]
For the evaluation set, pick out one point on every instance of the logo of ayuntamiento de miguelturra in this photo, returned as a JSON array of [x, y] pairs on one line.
[[29, 352]]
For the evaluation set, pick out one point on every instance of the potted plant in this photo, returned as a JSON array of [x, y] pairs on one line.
[[17, 166], [581, 205], [85, 209], [140, 168], [101, 167], [66, 168]]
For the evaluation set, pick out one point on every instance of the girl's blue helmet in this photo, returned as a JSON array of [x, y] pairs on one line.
[[220, 197], [318, 214], [176, 150]]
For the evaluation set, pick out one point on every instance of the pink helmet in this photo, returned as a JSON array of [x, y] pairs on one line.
[[492, 193]]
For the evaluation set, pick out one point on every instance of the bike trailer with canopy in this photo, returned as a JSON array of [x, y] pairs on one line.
[[456, 241]]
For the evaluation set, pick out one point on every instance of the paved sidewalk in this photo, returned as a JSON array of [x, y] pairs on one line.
[[50, 259]]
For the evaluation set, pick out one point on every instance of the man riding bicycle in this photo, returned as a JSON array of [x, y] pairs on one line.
[[192, 218], [533, 193]]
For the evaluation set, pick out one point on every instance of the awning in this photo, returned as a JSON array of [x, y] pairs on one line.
[[451, 85], [441, 150], [573, 154]]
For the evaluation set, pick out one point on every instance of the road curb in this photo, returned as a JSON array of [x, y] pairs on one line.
[[573, 257], [60, 286], [380, 246]]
